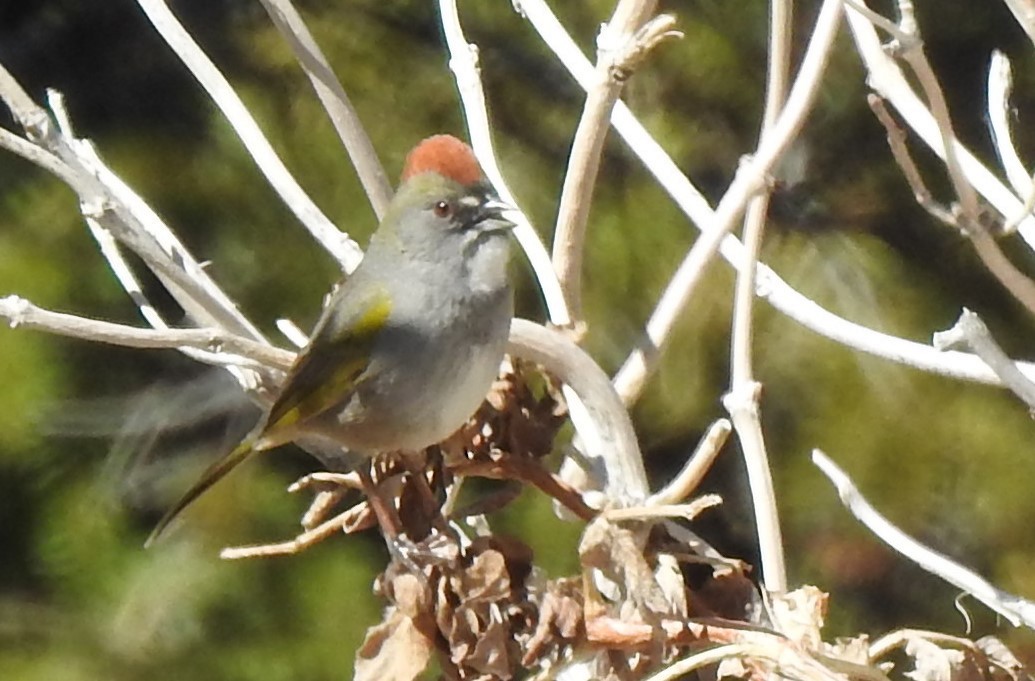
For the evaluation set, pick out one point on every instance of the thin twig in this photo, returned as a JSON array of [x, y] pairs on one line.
[[970, 332], [742, 399], [106, 199], [338, 244], [700, 462], [37, 155], [1000, 82], [901, 637], [301, 542], [335, 102], [900, 152], [911, 49], [750, 177], [626, 480], [958, 365], [778, 69], [223, 348], [463, 62], [991, 256], [617, 42], [742, 404], [1015, 609], [968, 217], [995, 261], [887, 79], [770, 286]]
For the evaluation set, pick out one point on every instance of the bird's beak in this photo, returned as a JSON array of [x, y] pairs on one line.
[[500, 212]]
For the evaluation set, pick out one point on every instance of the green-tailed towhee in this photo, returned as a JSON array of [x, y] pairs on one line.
[[408, 346]]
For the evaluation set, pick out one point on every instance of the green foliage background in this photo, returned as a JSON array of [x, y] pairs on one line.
[[96, 441]]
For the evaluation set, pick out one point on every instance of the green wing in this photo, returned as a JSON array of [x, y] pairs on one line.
[[334, 362], [327, 371]]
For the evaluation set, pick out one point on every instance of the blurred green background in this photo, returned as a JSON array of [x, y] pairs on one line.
[[96, 441]]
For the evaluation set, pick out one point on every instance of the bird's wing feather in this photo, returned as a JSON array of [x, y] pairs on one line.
[[334, 363]]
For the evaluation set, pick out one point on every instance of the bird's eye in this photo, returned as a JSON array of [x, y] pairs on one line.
[[443, 209]]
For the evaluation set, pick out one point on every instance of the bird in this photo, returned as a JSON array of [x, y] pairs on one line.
[[408, 345]]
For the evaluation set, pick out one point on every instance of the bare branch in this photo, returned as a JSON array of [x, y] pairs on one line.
[[1015, 609], [770, 286], [221, 348], [970, 332], [887, 80], [699, 463], [742, 404], [1000, 82], [37, 155], [337, 104], [909, 46], [904, 160], [742, 399], [622, 42], [626, 480], [338, 244], [463, 62], [750, 177], [114, 207]]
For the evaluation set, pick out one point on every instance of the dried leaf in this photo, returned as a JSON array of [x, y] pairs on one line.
[[394, 650], [934, 663], [799, 615]]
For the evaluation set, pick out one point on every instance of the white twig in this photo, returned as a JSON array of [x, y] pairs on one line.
[[1000, 83], [615, 42], [970, 332], [335, 102], [770, 286], [1014, 608], [219, 347], [750, 177], [626, 482], [105, 199], [694, 470], [742, 399], [463, 62], [338, 244], [145, 222], [887, 79]]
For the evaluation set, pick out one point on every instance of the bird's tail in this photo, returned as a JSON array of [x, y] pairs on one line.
[[211, 476]]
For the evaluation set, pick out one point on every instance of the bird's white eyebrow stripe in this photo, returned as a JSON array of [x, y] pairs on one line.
[[470, 201]]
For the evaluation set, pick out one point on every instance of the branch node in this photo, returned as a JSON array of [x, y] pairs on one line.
[[630, 55]]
